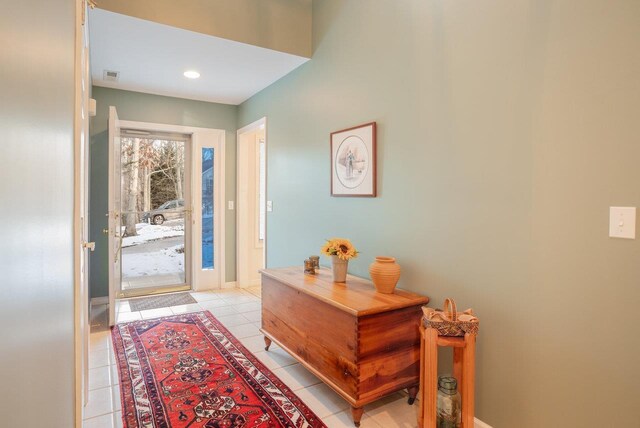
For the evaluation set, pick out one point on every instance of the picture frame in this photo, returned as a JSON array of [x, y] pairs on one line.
[[353, 161]]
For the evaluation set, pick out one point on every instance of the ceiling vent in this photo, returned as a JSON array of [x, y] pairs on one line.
[[111, 76]]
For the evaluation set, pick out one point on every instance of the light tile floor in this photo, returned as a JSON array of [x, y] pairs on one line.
[[239, 311]]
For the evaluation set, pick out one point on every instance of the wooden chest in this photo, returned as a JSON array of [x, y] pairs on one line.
[[361, 343]]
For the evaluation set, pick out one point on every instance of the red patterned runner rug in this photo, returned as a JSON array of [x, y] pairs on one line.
[[189, 371]]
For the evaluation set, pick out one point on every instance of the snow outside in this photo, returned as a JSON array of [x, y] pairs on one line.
[[155, 250], [153, 212]]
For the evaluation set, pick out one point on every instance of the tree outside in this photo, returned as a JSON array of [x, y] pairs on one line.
[[152, 174], [152, 212]]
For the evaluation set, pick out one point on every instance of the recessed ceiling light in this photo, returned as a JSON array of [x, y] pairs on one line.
[[191, 74]]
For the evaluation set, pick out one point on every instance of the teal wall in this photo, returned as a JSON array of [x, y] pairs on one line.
[[140, 107], [505, 131]]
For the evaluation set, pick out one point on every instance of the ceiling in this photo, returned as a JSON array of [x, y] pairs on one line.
[[152, 58]]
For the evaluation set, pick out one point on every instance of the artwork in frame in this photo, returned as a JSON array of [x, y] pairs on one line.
[[353, 161]]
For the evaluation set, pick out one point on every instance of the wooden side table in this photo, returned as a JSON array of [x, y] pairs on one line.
[[464, 354]]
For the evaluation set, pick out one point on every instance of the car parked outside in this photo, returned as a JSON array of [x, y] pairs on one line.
[[170, 210]]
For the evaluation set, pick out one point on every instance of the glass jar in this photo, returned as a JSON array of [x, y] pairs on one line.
[[309, 267], [316, 262], [449, 408]]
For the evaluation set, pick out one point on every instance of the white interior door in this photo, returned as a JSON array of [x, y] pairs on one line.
[[81, 212], [83, 194], [251, 209], [115, 228]]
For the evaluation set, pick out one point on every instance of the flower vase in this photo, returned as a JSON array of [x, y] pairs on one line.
[[340, 268], [385, 273]]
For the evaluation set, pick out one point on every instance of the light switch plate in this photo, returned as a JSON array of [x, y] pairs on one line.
[[230, 205], [269, 206], [622, 222]]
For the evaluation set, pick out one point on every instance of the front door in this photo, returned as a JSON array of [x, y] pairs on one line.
[[166, 213], [156, 212]]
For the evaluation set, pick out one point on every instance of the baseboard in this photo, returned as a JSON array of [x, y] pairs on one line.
[[231, 284], [252, 283], [97, 301], [479, 424]]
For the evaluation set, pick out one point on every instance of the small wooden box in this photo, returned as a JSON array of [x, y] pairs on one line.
[[361, 343]]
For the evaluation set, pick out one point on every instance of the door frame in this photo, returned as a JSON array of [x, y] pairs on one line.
[[250, 128], [114, 239], [199, 137]]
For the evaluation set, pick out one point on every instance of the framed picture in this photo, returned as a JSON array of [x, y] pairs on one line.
[[353, 161]]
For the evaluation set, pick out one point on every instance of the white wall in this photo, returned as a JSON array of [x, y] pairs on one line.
[[36, 190]]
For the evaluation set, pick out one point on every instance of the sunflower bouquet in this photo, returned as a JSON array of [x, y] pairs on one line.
[[343, 248]]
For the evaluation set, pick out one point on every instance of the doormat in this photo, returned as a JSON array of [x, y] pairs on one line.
[[189, 371], [163, 301]]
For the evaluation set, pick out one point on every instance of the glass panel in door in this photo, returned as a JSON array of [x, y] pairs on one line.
[[154, 190], [207, 207]]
